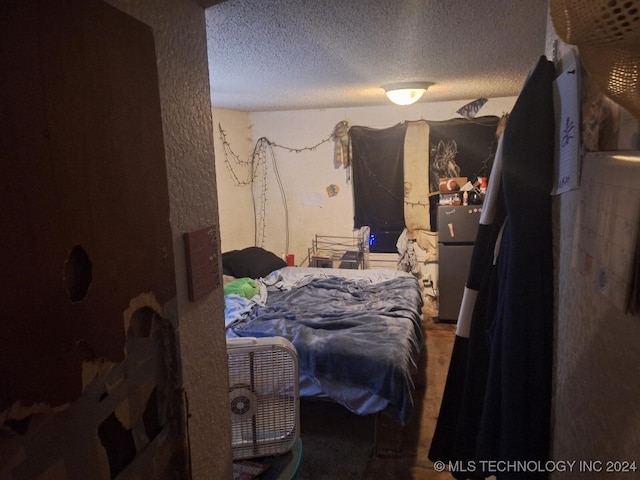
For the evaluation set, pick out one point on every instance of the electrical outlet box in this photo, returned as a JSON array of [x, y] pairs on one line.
[[203, 269]]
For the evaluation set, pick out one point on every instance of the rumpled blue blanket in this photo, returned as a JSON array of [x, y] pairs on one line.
[[353, 337]]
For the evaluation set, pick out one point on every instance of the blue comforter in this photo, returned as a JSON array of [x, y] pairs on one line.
[[353, 337]]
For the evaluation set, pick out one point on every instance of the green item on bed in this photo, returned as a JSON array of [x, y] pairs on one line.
[[245, 287]]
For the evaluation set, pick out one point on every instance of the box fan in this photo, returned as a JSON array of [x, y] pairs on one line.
[[264, 396]]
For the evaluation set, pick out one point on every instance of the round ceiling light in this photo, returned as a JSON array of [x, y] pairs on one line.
[[406, 93]]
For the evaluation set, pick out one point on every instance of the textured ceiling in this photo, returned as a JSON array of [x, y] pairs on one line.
[[304, 54]]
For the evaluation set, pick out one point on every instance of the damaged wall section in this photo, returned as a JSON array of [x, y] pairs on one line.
[[128, 423], [85, 201], [85, 229]]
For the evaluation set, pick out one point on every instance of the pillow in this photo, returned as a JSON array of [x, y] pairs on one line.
[[251, 262], [227, 262], [245, 287]]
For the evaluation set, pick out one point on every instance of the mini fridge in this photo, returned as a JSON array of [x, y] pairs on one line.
[[457, 229]]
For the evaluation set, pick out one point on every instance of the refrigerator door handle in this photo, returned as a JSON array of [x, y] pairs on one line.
[[452, 232]]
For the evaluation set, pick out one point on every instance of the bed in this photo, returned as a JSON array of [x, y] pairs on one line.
[[358, 333]]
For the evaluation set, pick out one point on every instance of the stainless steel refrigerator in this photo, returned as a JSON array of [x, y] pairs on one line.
[[457, 229]]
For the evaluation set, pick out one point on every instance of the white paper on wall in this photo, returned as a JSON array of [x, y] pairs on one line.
[[567, 111], [312, 199]]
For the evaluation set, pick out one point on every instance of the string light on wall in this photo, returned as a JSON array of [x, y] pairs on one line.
[[406, 93], [255, 171]]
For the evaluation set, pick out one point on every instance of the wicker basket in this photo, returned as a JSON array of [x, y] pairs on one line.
[[607, 34]]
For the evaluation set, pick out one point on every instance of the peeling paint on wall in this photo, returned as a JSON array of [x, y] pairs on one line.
[[129, 418]]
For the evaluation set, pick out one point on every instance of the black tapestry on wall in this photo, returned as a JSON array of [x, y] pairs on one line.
[[378, 177], [460, 148], [457, 148]]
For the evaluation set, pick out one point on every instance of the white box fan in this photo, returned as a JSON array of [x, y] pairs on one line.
[[264, 396]]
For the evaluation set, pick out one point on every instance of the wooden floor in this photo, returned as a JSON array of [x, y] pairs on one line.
[[402, 451]]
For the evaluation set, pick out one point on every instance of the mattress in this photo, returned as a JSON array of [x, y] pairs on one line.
[[358, 333]]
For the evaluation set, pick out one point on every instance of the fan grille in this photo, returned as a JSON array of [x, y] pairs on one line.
[[264, 400]]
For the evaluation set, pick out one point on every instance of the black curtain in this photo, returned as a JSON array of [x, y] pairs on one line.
[[457, 148], [468, 145], [378, 177], [460, 148]]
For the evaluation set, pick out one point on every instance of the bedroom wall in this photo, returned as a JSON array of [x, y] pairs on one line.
[[234, 193], [309, 171], [180, 40], [596, 389]]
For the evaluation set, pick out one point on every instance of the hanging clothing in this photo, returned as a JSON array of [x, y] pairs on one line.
[[462, 402], [340, 136], [497, 399]]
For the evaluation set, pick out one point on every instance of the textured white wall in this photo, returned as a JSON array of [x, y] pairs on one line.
[[312, 171], [596, 389], [235, 200], [180, 38]]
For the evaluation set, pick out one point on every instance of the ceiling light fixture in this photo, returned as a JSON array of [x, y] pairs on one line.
[[406, 93]]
